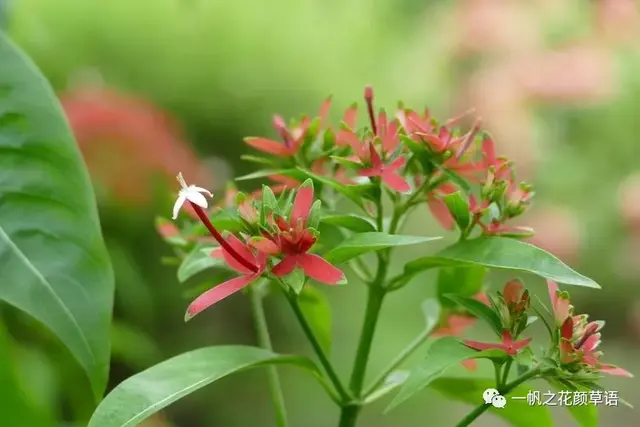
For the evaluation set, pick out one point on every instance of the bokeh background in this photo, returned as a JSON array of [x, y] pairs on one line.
[[153, 87]]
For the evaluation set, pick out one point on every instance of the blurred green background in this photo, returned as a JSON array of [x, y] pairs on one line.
[[153, 87]]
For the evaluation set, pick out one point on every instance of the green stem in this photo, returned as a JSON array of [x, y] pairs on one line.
[[265, 342], [505, 374], [399, 360], [315, 344], [498, 370], [479, 410]]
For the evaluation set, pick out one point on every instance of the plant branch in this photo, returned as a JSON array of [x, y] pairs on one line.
[[315, 344], [264, 341]]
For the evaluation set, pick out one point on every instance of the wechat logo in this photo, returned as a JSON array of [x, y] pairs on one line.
[[493, 397]]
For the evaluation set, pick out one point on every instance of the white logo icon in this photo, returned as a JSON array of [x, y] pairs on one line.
[[493, 397]]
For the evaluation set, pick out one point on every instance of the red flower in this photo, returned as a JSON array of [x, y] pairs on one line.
[[291, 138], [234, 285], [499, 164], [387, 173], [579, 341], [294, 240], [497, 228], [507, 344], [516, 297], [438, 207]]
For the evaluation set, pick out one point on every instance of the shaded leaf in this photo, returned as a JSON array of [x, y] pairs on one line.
[[464, 281], [351, 222], [459, 209], [502, 253], [53, 261], [197, 261], [479, 310], [441, 355], [362, 243], [517, 412], [146, 393]]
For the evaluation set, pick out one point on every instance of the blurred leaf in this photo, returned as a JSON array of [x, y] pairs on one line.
[[197, 261], [53, 261], [585, 415], [502, 253], [351, 222], [295, 280], [227, 220], [431, 310], [463, 281], [293, 173], [133, 346], [459, 209], [317, 311], [15, 408], [362, 243], [479, 310], [146, 393], [394, 380], [517, 412], [441, 355], [355, 193]]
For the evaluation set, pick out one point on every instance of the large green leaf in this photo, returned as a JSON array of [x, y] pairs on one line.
[[317, 311], [362, 243], [146, 393], [441, 355], [53, 262], [503, 253], [517, 412]]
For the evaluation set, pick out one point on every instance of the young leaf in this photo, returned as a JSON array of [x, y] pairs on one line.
[[459, 209], [317, 311], [517, 412], [295, 280], [144, 394], [225, 219], [480, 310], [313, 220], [256, 159], [269, 199], [351, 222], [352, 192], [53, 260], [464, 281], [441, 355], [502, 253], [362, 243], [197, 261]]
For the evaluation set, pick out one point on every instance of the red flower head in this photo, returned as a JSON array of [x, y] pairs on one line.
[[294, 239], [516, 297], [507, 344], [438, 207], [579, 340], [498, 165], [223, 290], [292, 138], [560, 303]]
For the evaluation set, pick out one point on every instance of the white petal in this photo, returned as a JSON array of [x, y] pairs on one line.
[[197, 198], [202, 190], [176, 207]]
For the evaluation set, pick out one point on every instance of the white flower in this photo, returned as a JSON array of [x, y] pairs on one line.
[[190, 193]]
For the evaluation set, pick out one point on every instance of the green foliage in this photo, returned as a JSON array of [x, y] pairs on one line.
[[480, 310], [53, 260], [317, 311], [464, 281], [148, 392], [352, 222], [518, 413], [362, 243], [441, 355], [505, 254], [197, 261], [459, 209]]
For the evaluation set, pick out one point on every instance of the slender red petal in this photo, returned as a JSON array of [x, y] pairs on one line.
[[269, 146], [286, 180], [470, 364], [218, 293], [285, 266], [302, 205], [319, 269], [350, 116], [396, 164], [591, 343], [614, 370], [441, 213], [216, 253], [376, 161], [566, 331], [324, 110], [489, 151], [390, 140], [242, 250], [167, 230], [395, 182], [476, 345], [519, 345], [264, 245], [348, 138], [369, 172]]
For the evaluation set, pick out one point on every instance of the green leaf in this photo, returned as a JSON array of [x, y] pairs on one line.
[[502, 253], [313, 220], [459, 209], [197, 261], [269, 199], [355, 193], [480, 310], [362, 243], [225, 219], [256, 159], [148, 392], [295, 280], [463, 281], [585, 415], [431, 310], [351, 222], [441, 355], [264, 173], [317, 311], [517, 412], [53, 260]]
